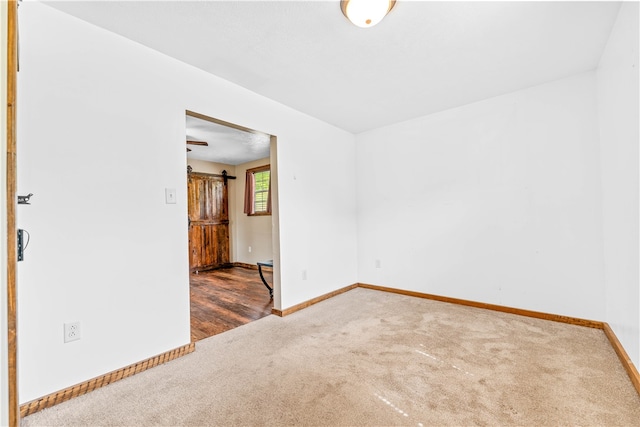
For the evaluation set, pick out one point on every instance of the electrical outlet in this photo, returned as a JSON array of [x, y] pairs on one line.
[[71, 331], [378, 264], [249, 249], [304, 274]]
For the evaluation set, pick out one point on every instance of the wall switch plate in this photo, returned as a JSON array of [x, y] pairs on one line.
[[170, 196], [71, 331], [378, 264]]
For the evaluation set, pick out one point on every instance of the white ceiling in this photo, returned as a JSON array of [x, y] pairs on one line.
[[423, 58], [226, 144]]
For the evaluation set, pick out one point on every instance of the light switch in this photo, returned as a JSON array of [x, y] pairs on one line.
[[170, 196]]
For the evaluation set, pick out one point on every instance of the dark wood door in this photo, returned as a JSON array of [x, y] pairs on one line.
[[208, 222]]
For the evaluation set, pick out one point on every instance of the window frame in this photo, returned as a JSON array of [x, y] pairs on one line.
[[253, 171]]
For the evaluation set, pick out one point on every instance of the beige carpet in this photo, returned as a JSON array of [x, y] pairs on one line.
[[373, 358]]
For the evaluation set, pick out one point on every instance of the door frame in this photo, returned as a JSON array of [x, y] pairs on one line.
[[275, 206], [11, 204]]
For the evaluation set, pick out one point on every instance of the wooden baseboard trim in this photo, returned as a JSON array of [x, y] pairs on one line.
[[101, 381], [245, 265], [521, 312], [494, 307], [311, 302], [250, 266], [196, 270], [628, 365]]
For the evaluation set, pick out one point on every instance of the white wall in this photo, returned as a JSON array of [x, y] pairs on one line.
[[105, 248], [4, 356], [618, 113], [496, 201], [253, 231]]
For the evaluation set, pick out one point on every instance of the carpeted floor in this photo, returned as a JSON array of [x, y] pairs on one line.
[[373, 358]]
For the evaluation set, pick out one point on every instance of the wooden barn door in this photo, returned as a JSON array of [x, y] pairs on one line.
[[208, 222]]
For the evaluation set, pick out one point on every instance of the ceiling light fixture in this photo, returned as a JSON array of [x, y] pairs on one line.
[[366, 13]]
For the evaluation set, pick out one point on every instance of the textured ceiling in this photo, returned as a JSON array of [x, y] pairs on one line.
[[226, 145], [423, 58]]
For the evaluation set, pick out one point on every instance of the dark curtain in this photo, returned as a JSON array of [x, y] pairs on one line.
[[248, 194]]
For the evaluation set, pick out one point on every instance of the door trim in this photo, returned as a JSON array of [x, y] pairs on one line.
[[12, 71], [223, 123], [275, 212]]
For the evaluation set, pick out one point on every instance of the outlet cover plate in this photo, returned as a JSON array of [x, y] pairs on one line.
[[71, 331]]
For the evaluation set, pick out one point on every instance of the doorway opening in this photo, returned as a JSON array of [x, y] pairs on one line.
[[232, 209]]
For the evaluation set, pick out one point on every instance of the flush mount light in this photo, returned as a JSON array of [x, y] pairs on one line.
[[366, 13]]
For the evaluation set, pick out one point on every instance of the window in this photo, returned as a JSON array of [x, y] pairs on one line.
[[261, 191], [257, 195]]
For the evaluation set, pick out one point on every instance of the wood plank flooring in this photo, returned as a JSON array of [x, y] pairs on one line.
[[226, 298]]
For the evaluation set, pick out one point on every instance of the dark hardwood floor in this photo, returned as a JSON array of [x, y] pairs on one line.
[[226, 298]]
